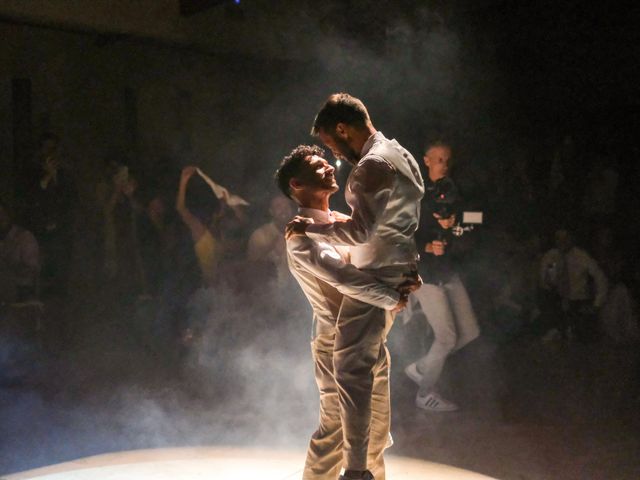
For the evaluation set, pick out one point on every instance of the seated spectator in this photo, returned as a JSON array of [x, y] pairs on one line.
[[19, 261], [618, 316], [566, 273], [266, 245]]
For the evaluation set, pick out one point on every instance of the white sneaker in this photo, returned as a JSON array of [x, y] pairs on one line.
[[433, 402], [412, 372]]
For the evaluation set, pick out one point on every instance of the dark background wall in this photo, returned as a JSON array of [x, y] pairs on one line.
[[234, 87]]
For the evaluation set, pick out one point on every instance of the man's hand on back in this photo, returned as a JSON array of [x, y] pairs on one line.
[[297, 226], [404, 298]]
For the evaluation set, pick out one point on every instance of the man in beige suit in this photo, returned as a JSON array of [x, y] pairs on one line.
[[383, 190], [326, 277]]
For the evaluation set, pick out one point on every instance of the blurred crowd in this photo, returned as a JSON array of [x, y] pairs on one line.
[[554, 259]]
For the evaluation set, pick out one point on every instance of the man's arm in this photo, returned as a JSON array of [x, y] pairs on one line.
[[371, 184], [195, 226], [323, 262]]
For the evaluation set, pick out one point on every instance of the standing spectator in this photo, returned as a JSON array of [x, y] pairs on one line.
[[566, 272], [155, 239], [442, 297], [123, 265], [199, 220], [266, 245], [618, 316], [51, 210]]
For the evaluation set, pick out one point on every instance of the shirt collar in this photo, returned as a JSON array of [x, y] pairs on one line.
[[319, 216], [376, 137]]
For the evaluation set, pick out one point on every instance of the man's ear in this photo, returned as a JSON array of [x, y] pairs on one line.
[[342, 130], [294, 184]]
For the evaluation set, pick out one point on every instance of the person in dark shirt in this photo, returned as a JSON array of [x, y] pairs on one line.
[[51, 213], [442, 297]]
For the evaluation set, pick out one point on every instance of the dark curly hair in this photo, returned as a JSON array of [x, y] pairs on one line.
[[340, 108], [291, 165]]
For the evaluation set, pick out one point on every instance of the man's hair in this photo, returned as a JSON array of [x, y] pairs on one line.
[[437, 142], [340, 108], [291, 165]]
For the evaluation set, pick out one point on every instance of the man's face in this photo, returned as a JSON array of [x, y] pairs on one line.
[[437, 160], [339, 146], [317, 175]]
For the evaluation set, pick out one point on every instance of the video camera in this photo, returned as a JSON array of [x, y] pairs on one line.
[[446, 201]]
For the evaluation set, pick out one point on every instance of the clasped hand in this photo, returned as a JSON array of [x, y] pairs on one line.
[[413, 283]]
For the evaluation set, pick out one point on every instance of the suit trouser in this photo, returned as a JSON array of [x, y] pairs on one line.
[[361, 376], [361, 331], [325, 453], [449, 312]]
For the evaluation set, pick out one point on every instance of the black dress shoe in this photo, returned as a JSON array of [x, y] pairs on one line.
[[367, 475]]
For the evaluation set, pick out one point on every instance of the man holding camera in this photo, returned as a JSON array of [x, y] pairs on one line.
[[442, 297]]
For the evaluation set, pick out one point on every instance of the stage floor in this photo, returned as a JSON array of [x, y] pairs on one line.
[[219, 464]]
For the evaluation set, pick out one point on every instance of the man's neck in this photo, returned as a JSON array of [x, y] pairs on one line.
[[317, 202], [361, 137]]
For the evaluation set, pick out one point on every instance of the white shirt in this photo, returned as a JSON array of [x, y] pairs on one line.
[[580, 266], [325, 275], [384, 191]]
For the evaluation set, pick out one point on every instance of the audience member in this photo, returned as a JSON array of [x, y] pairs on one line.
[[266, 245], [199, 219], [156, 239], [566, 273], [442, 297], [122, 261], [51, 212]]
